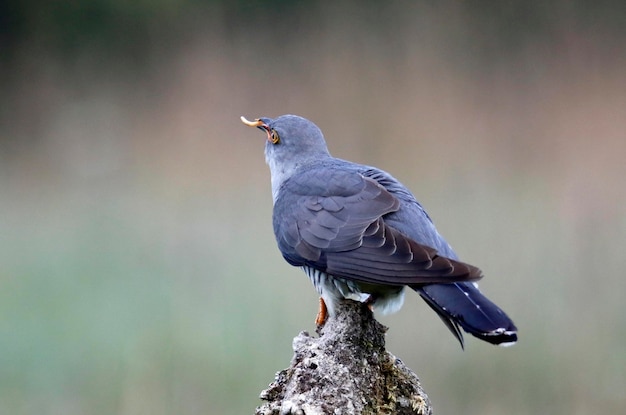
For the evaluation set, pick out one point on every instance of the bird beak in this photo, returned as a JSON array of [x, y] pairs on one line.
[[260, 125], [255, 123]]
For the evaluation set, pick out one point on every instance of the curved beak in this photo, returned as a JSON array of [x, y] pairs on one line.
[[255, 123], [258, 124]]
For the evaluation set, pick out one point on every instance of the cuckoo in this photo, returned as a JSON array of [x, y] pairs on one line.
[[359, 234]]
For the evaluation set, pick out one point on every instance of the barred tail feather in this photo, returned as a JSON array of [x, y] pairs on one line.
[[462, 305]]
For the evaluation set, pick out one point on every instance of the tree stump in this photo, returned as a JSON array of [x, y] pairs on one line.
[[346, 370]]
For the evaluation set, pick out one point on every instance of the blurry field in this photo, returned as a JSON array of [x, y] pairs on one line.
[[138, 269]]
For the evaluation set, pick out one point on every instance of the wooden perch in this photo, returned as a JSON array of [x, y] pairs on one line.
[[346, 370]]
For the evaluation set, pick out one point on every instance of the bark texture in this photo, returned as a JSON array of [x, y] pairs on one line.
[[346, 370]]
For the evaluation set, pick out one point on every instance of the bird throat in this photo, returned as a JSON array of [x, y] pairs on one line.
[[278, 175]]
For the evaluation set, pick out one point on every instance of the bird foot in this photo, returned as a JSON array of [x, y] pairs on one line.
[[322, 314]]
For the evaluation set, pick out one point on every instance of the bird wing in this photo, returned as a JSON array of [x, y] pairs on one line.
[[334, 220]]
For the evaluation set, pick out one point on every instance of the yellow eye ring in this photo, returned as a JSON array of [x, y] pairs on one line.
[[273, 137]]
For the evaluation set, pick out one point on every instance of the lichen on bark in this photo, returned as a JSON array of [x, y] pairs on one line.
[[345, 371]]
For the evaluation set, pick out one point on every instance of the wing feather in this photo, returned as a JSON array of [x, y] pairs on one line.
[[334, 220]]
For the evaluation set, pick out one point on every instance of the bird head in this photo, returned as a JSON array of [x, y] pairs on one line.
[[290, 135], [292, 142]]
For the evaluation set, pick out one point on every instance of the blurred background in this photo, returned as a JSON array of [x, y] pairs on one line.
[[138, 268]]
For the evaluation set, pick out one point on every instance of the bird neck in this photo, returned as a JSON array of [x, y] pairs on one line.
[[281, 171]]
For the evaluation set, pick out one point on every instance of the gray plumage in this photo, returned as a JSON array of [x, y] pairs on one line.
[[358, 233]]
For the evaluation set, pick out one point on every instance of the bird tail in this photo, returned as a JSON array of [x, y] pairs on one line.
[[462, 305]]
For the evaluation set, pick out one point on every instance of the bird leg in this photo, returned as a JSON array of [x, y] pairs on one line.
[[322, 314]]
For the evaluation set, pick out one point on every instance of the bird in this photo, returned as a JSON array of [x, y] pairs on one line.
[[360, 234]]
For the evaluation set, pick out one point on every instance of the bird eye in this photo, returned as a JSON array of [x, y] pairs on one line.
[[274, 138]]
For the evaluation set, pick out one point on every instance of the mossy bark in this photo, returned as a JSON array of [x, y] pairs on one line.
[[346, 370]]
